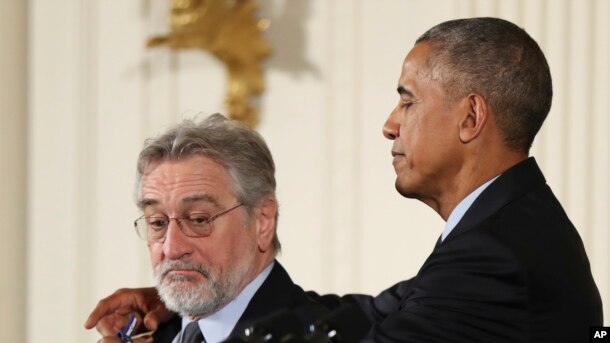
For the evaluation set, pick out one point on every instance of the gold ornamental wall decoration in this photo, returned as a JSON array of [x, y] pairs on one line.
[[230, 30]]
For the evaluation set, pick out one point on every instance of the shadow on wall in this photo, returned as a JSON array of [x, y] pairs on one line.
[[287, 35]]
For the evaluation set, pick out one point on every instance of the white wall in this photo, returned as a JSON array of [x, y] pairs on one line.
[[13, 57], [95, 93]]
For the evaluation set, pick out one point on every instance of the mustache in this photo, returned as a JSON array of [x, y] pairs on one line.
[[167, 266]]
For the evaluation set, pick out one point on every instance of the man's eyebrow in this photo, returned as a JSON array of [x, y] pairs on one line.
[[143, 203], [201, 198], [403, 91]]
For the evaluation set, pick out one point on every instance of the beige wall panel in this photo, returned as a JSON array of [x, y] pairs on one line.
[[295, 124], [160, 72], [343, 224], [600, 152], [56, 217], [13, 173], [579, 117], [552, 143], [85, 102], [398, 234], [120, 124], [200, 85], [483, 8]]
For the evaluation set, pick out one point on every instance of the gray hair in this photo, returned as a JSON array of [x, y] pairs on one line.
[[241, 150], [499, 60]]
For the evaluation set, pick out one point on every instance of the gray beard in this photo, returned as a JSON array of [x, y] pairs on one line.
[[182, 295]]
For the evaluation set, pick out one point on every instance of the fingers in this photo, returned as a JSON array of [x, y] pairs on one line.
[[112, 313], [100, 310], [119, 301], [111, 324], [107, 327]]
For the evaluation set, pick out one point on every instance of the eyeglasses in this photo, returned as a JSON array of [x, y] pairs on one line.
[[154, 228]]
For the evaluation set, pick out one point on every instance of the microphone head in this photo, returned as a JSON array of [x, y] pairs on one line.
[[347, 323], [275, 326]]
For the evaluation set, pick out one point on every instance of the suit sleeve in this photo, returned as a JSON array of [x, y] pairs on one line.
[[374, 308], [471, 290]]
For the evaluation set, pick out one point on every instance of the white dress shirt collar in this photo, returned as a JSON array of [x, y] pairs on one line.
[[459, 211]]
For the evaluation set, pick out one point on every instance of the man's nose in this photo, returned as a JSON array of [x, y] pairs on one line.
[[176, 243], [391, 127]]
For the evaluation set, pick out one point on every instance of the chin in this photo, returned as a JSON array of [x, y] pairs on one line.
[[404, 191], [190, 299], [179, 285]]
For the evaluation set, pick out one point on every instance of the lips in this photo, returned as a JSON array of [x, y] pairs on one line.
[[184, 271], [182, 275], [181, 269], [398, 157]]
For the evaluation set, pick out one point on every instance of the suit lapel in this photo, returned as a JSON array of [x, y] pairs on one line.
[[168, 331], [277, 292], [511, 185]]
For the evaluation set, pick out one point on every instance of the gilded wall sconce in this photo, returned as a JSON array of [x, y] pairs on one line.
[[230, 30]]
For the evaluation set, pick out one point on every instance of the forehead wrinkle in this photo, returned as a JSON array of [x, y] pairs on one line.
[[158, 195], [193, 180]]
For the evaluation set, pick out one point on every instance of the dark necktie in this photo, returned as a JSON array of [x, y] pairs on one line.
[[192, 334]]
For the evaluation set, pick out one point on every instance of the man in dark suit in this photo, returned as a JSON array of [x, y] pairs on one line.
[[509, 265], [513, 270], [207, 193]]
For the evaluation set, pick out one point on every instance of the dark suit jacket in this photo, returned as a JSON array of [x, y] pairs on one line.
[[514, 269], [277, 292]]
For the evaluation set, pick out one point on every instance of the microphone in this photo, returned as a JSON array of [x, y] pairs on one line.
[[346, 324], [274, 328]]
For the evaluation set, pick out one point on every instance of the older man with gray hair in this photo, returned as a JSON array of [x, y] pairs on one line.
[[207, 194]]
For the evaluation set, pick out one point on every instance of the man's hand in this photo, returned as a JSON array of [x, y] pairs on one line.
[[112, 313]]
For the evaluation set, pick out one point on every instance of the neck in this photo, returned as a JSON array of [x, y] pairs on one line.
[[470, 176]]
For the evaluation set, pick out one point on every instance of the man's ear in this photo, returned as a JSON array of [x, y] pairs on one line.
[[265, 216], [477, 116]]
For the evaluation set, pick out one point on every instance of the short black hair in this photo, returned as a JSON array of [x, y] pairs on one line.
[[499, 60]]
